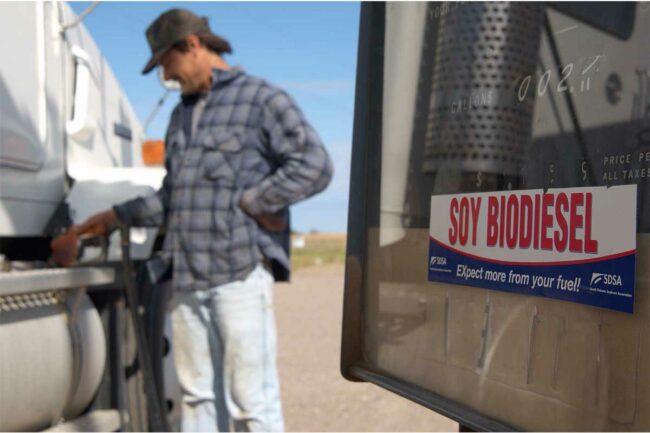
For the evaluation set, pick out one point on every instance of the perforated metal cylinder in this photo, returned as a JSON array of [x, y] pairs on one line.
[[476, 120]]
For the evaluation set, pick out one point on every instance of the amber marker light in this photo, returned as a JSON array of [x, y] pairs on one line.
[[153, 152]]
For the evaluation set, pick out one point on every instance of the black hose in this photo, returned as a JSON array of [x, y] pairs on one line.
[[158, 419]]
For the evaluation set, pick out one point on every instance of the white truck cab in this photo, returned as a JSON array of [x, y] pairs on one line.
[[70, 146]]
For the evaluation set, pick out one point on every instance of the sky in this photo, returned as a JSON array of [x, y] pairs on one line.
[[307, 48]]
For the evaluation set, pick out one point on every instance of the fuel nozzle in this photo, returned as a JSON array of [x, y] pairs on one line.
[[68, 248]]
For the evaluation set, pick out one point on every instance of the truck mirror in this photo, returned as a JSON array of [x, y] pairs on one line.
[[482, 111]]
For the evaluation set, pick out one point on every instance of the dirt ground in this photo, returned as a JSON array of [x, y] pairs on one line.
[[315, 396]]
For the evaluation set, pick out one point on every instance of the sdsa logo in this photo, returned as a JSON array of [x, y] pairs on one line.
[[606, 279], [437, 261]]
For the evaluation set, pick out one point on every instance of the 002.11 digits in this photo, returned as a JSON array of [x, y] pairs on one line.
[[565, 73]]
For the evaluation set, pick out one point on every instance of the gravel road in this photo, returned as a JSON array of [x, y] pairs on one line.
[[315, 396]]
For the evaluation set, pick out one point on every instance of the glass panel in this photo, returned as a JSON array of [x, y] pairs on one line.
[[497, 97]]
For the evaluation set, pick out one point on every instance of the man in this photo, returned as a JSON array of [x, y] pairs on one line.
[[238, 152]]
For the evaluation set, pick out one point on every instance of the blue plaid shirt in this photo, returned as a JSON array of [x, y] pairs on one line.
[[252, 144]]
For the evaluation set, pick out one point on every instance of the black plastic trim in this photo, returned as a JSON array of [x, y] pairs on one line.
[[367, 127], [463, 415]]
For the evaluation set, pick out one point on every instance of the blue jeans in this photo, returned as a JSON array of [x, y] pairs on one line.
[[225, 356]]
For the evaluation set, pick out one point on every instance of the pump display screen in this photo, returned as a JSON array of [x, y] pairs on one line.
[[499, 235]]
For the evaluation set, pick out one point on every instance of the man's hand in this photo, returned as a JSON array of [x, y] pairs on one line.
[[102, 223], [65, 247], [273, 222]]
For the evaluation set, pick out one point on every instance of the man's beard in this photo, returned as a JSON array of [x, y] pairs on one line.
[[188, 89]]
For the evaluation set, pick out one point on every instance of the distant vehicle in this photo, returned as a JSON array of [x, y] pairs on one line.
[[70, 145], [499, 221]]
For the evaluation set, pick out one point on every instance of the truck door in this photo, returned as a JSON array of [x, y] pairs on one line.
[[499, 222], [31, 117]]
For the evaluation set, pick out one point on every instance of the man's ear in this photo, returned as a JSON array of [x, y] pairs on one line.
[[193, 42]]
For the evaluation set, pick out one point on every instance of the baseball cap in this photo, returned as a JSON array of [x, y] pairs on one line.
[[175, 25]]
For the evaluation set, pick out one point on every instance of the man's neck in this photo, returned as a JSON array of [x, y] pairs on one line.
[[216, 61]]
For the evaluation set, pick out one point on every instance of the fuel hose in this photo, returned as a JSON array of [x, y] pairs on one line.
[[158, 420]]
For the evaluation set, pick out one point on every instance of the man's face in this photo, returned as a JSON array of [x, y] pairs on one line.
[[183, 68]]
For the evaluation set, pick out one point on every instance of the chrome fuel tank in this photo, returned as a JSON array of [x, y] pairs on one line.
[[52, 356]]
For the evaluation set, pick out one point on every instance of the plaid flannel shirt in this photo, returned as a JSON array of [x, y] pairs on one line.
[[252, 144]]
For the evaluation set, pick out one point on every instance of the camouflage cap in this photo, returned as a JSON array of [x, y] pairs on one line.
[[173, 26]]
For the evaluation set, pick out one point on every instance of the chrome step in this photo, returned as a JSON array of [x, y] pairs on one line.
[[22, 282], [98, 420]]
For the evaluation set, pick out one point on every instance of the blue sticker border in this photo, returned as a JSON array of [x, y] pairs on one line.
[[605, 283]]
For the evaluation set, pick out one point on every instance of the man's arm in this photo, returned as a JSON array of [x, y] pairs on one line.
[[305, 169], [147, 211]]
